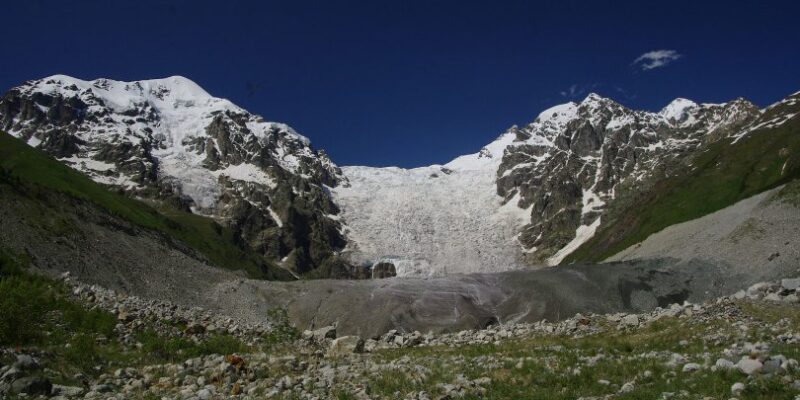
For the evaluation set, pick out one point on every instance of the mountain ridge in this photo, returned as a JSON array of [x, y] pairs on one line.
[[169, 141], [534, 195]]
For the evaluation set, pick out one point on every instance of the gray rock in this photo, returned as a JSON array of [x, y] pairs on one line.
[[749, 366], [26, 363], [790, 283], [12, 374], [631, 320], [346, 345], [204, 394], [772, 366], [326, 332], [757, 290], [67, 391], [627, 387], [725, 364], [773, 297], [32, 385], [691, 367]]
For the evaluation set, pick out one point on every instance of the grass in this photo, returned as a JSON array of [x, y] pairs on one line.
[[159, 349], [547, 362], [719, 176], [789, 193], [35, 175], [37, 312]]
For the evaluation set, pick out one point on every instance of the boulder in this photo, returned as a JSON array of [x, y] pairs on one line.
[[319, 335], [26, 363], [67, 391], [32, 385], [790, 284], [749, 366], [631, 320], [346, 345], [724, 364], [691, 367]]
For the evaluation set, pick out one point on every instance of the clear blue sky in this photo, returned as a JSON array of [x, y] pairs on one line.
[[411, 83]]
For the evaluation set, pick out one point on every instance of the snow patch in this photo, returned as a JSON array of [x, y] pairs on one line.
[[675, 110], [248, 173], [582, 235]]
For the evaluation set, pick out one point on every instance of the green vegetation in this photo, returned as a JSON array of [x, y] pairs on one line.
[[31, 305], [789, 193], [282, 330], [719, 176], [160, 349], [544, 367], [36, 311], [35, 176]]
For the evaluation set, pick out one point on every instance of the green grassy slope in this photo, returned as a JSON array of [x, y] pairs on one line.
[[38, 312], [33, 174], [721, 175]]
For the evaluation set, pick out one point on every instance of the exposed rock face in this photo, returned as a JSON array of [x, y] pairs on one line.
[[168, 140], [576, 158]]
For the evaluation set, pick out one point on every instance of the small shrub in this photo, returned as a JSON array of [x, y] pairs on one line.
[[221, 344], [79, 319], [82, 351], [282, 330], [176, 349], [24, 301]]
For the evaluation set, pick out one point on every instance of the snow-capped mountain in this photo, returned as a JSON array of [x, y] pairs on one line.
[[575, 159], [169, 140], [530, 197], [533, 195]]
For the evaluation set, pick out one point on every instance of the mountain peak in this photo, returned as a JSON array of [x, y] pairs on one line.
[[593, 97], [677, 108], [175, 87]]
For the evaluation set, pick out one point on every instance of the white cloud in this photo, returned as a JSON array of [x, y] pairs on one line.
[[656, 59], [573, 91], [577, 90]]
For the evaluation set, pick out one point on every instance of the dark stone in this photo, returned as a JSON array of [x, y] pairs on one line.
[[383, 270], [32, 385]]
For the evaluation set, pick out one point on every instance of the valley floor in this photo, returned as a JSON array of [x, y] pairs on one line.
[[744, 346]]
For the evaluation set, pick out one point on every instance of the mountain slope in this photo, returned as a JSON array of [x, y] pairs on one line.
[[168, 141], [728, 170], [757, 235], [49, 198], [537, 193], [580, 182], [573, 162]]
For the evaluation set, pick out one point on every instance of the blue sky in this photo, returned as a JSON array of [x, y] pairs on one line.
[[411, 83]]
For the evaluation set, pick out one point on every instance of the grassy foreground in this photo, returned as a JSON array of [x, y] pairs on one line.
[[38, 314], [562, 367]]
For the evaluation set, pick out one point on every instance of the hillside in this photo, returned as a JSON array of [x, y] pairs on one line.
[[726, 171], [52, 202], [170, 142]]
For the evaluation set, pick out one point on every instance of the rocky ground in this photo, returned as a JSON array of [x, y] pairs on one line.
[[741, 346]]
